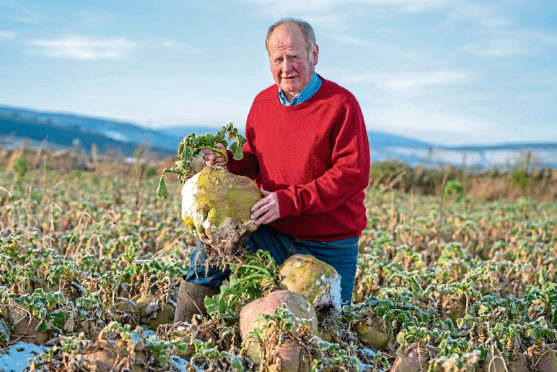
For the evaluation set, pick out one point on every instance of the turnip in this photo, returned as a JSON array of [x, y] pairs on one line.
[[216, 207], [291, 357], [313, 278], [251, 317], [542, 358], [125, 311], [414, 359], [154, 312], [116, 349], [373, 332], [24, 326], [518, 364], [215, 203], [454, 307]]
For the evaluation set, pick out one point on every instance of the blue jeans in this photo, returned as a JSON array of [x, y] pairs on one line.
[[340, 254]]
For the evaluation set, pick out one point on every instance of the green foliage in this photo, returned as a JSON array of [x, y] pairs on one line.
[[86, 236], [192, 145], [20, 168], [453, 188], [151, 171], [4, 332], [245, 285], [520, 178]]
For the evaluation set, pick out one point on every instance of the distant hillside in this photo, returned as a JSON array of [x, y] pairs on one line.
[[65, 136], [62, 128], [117, 130]]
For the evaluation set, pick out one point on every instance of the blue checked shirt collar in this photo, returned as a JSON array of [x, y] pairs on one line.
[[310, 89]]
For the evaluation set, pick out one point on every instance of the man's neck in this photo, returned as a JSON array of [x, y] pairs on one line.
[[289, 99]]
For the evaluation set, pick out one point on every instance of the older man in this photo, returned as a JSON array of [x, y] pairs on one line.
[[307, 148]]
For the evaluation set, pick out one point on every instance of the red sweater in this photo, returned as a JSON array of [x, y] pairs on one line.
[[315, 155]]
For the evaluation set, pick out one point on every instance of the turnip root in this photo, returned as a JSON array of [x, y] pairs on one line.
[[24, 326], [154, 312], [412, 361], [543, 358], [216, 207], [372, 333], [313, 278], [518, 364], [251, 316], [454, 307], [291, 357], [112, 350], [497, 364], [125, 311]]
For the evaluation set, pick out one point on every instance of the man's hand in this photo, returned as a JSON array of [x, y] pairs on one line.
[[209, 155], [266, 210]]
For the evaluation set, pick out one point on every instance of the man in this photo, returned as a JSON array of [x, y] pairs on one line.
[[308, 151]]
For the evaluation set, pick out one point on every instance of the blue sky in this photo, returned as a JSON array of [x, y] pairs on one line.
[[450, 72]]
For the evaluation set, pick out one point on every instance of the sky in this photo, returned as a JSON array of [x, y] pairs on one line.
[[448, 72]]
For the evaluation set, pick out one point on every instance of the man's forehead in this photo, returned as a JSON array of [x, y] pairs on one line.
[[286, 35], [288, 49]]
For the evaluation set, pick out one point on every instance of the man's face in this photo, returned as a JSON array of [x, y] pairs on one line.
[[291, 65]]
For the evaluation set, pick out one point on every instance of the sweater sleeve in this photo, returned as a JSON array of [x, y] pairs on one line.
[[347, 176]]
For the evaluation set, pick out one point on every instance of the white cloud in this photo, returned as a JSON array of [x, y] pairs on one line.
[[78, 47], [481, 14], [4, 34], [181, 47], [496, 48], [433, 123], [409, 82], [351, 40], [337, 14]]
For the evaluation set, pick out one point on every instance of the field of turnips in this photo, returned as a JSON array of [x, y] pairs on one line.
[[90, 262]]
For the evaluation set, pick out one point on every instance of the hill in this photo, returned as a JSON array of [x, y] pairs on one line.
[[62, 128]]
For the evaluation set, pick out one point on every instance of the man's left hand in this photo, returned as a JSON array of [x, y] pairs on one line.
[[266, 210]]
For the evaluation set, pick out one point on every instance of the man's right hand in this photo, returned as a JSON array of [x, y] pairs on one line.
[[209, 155]]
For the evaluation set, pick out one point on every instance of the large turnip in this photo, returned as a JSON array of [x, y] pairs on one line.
[[313, 278], [216, 206], [251, 317]]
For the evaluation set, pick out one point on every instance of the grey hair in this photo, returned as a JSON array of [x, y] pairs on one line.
[[305, 27]]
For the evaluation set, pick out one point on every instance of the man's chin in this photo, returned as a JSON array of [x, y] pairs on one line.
[[291, 90]]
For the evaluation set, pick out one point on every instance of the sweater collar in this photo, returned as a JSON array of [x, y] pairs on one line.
[[310, 89]]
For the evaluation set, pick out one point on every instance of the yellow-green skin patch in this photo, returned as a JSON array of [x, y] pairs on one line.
[[222, 206], [313, 278]]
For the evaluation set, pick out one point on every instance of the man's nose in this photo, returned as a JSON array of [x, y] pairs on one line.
[[286, 65]]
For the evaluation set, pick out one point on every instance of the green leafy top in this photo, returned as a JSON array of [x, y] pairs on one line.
[[191, 146]]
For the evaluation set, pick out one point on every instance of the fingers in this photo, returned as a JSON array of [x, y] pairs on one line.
[[208, 157], [267, 209]]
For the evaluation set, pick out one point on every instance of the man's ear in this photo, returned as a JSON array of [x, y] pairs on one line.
[[315, 54]]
